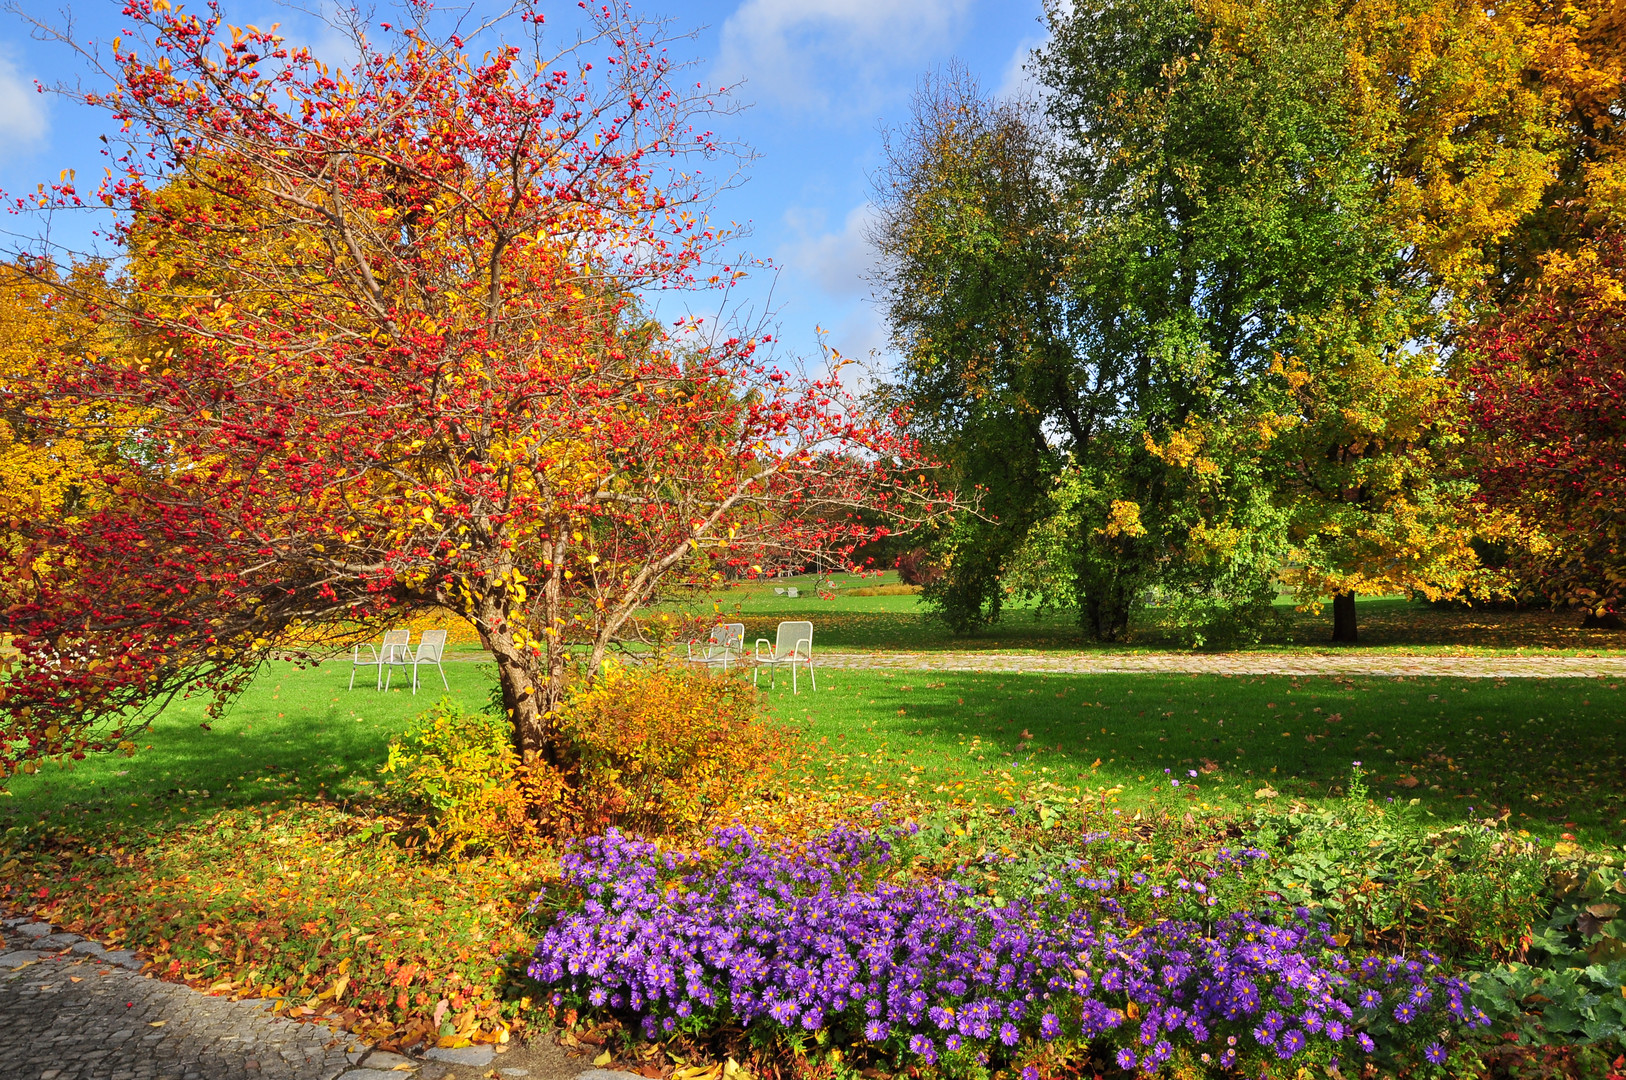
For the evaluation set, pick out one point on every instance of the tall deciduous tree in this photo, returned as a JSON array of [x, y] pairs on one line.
[[382, 327], [1262, 226]]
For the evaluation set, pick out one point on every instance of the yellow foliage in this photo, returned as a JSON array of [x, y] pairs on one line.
[[1123, 520], [667, 752]]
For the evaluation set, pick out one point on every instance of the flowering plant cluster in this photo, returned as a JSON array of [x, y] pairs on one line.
[[832, 934]]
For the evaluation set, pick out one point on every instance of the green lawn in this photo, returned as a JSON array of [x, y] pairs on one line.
[[297, 733], [1553, 752], [846, 622]]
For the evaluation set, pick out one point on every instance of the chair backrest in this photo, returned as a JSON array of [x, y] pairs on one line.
[[789, 634], [730, 636], [431, 645], [395, 644]]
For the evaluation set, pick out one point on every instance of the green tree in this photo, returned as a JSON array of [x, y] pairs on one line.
[[1238, 237]]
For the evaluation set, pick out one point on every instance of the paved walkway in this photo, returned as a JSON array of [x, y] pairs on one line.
[[72, 1010], [1241, 663]]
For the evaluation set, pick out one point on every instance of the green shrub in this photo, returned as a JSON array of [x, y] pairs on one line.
[[462, 788], [1389, 879], [1568, 986]]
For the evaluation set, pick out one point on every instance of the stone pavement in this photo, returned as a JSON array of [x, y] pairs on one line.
[[72, 1010], [1237, 663]]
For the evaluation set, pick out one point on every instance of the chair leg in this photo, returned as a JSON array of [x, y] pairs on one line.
[[793, 689], [810, 674], [414, 680], [352, 676], [442, 671]]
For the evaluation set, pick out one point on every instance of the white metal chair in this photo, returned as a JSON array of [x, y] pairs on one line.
[[794, 646], [431, 649], [394, 641], [725, 645]]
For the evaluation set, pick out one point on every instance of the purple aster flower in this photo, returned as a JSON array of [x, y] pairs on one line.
[[1291, 1042], [1405, 1012], [1435, 1053], [1364, 1041], [1049, 1026], [1370, 999], [1334, 1030], [1008, 1034], [1126, 1058], [1029, 1073]]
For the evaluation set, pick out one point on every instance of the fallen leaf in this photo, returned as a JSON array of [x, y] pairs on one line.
[[1266, 792], [603, 1059], [1025, 734], [1407, 782], [1208, 767], [155, 1023]]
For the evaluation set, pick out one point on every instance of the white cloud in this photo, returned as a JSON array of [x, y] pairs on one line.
[[22, 108], [837, 262], [1017, 82], [810, 53]]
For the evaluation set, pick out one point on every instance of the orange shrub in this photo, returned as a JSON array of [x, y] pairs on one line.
[[664, 751], [652, 749]]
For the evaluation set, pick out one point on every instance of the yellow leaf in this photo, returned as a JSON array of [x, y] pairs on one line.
[[602, 1060]]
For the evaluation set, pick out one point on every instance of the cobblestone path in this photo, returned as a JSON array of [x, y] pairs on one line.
[[1303, 664], [80, 1015]]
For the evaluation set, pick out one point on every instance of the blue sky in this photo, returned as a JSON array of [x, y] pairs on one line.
[[821, 79]]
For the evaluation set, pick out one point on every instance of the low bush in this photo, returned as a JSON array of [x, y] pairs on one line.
[[662, 751], [665, 751], [884, 590], [461, 787], [1389, 879]]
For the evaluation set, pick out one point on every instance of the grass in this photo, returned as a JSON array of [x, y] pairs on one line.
[[846, 622], [298, 733], [1550, 753], [235, 855]]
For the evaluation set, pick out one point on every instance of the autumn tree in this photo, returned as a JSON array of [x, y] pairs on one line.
[[1547, 394], [384, 332], [1245, 237]]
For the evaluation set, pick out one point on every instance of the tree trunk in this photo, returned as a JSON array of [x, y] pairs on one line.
[[1343, 617], [528, 695]]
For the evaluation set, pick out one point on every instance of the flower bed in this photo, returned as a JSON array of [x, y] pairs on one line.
[[834, 937]]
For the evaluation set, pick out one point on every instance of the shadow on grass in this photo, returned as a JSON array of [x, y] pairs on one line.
[[1551, 753], [295, 734]]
